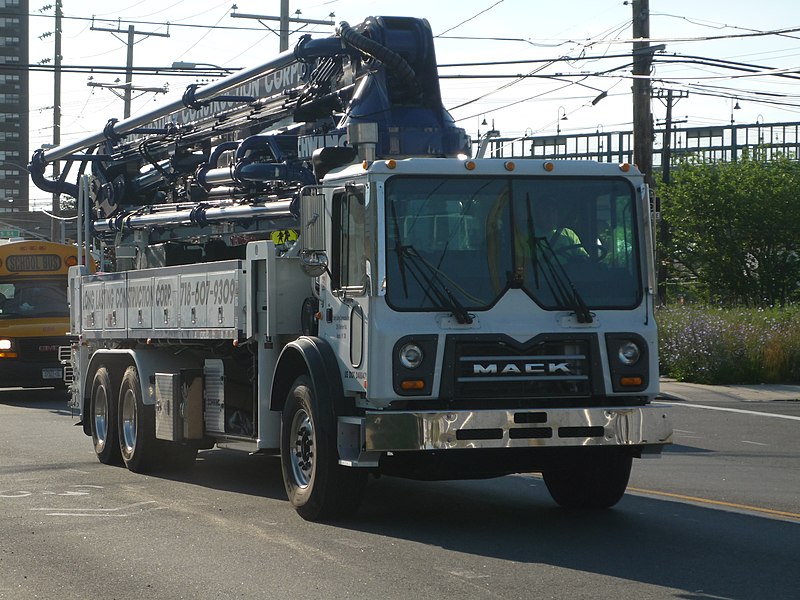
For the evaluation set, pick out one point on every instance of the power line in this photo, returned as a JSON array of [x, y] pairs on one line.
[[135, 22], [118, 70], [708, 38], [475, 16], [714, 25]]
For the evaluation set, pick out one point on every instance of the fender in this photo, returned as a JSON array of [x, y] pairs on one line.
[[314, 356]]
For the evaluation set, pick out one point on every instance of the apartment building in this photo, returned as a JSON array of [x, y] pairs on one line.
[[14, 152]]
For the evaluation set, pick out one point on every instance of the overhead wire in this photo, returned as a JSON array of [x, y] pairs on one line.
[[473, 17], [713, 25], [596, 41]]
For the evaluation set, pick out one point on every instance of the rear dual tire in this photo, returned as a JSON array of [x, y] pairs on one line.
[[141, 451], [103, 410]]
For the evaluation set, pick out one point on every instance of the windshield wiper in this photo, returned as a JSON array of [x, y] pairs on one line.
[[427, 274], [398, 247], [555, 275], [560, 283]]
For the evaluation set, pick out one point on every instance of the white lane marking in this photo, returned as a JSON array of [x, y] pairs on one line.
[[103, 510], [733, 410], [19, 494], [79, 512], [754, 443]]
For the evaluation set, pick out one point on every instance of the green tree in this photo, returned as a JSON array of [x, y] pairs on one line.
[[736, 228]]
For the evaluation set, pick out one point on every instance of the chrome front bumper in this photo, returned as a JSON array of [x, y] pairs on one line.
[[432, 430], [363, 439]]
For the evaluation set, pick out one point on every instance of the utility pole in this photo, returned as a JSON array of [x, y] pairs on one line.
[[129, 72], [55, 223], [284, 19], [642, 115], [126, 91], [664, 232], [128, 87], [672, 97]]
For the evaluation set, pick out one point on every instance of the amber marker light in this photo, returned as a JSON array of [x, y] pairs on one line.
[[365, 165], [71, 261], [548, 166], [391, 163], [510, 165], [470, 165], [631, 381], [625, 167], [412, 384]]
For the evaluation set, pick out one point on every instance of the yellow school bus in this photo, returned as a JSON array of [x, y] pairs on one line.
[[34, 315]]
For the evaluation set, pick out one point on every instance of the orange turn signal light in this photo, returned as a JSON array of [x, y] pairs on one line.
[[412, 384], [631, 381]]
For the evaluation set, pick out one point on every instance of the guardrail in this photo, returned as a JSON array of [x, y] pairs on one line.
[[713, 144]]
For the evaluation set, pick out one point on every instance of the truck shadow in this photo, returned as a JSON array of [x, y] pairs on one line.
[[233, 471], [695, 551], [701, 553], [54, 400]]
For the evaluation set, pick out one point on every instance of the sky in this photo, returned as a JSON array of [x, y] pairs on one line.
[[579, 47]]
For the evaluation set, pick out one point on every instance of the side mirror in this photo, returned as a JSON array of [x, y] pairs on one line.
[[313, 263]]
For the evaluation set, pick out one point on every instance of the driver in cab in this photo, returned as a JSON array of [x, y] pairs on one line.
[[563, 241]]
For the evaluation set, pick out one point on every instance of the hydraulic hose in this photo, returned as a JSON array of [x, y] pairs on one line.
[[391, 59]]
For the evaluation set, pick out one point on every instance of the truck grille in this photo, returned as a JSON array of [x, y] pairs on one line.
[[40, 349], [491, 366]]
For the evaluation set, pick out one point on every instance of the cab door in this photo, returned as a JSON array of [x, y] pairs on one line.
[[350, 273]]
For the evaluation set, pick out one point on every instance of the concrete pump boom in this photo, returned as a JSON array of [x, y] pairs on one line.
[[373, 85]]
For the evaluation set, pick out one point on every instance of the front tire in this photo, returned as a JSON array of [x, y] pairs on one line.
[[597, 479], [317, 486], [103, 407], [137, 425]]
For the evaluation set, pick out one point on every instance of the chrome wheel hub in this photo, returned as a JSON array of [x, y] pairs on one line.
[[128, 421], [302, 448]]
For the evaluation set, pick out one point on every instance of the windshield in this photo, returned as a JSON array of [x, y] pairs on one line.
[[27, 299], [459, 243]]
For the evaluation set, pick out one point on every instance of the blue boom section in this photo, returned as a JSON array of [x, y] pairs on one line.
[[248, 139]]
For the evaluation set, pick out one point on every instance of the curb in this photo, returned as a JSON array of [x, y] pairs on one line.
[[686, 392]]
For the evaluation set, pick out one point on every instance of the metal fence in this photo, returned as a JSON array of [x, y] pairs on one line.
[[711, 144]]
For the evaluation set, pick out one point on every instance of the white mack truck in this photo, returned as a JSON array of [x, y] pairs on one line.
[[300, 259]]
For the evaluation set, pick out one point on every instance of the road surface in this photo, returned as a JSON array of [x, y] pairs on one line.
[[718, 516]]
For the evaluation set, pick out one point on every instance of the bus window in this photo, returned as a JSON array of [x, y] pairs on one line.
[[34, 299]]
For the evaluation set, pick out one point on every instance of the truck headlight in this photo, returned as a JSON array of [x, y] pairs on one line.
[[629, 353], [414, 365], [411, 356], [5, 344]]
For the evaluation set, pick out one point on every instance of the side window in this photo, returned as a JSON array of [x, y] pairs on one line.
[[350, 266], [615, 232]]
